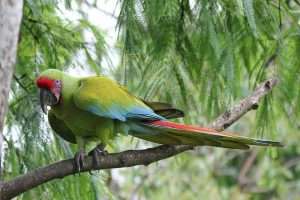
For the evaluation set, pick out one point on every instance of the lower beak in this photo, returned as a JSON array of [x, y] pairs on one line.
[[46, 99]]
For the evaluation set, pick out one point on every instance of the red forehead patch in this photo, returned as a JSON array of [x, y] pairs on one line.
[[44, 82]]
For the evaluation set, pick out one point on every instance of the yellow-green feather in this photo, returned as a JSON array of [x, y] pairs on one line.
[[106, 98]]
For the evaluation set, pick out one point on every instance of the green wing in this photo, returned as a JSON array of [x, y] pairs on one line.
[[60, 128], [104, 97]]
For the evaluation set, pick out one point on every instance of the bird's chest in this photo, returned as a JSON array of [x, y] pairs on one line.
[[82, 123]]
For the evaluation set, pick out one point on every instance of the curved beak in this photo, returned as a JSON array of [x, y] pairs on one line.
[[47, 99]]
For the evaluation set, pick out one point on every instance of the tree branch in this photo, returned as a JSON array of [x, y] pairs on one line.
[[249, 103], [18, 185]]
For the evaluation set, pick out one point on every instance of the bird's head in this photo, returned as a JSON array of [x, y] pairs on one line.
[[50, 84]]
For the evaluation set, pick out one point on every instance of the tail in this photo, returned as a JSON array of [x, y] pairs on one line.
[[166, 132]]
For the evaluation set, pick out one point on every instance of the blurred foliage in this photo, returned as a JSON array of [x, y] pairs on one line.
[[200, 55]]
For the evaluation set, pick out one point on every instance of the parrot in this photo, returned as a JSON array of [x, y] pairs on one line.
[[96, 109]]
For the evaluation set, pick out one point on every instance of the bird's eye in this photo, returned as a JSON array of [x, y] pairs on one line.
[[57, 81]]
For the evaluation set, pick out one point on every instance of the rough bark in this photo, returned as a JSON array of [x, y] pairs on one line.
[[250, 103], [129, 158], [10, 18]]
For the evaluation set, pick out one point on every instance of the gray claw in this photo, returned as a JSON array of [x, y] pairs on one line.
[[79, 160], [96, 152]]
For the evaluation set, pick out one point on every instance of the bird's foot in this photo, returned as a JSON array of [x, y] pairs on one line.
[[99, 150], [79, 160]]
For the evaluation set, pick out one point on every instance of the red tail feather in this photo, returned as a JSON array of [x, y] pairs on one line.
[[183, 127], [166, 132]]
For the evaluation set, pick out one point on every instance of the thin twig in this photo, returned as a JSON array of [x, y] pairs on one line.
[[20, 83], [242, 178]]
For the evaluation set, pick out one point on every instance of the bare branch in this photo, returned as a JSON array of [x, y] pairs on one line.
[[250, 103], [12, 188]]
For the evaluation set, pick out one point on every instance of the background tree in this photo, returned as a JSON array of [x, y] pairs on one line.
[[199, 55], [10, 18]]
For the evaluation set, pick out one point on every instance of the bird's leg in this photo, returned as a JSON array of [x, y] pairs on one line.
[[79, 156], [96, 152]]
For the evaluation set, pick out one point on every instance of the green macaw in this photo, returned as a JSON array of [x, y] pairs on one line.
[[96, 108]]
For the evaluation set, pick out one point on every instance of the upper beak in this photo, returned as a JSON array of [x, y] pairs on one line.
[[47, 99]]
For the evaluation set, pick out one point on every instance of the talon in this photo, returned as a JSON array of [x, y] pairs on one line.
[[79, 160], [96, 152]]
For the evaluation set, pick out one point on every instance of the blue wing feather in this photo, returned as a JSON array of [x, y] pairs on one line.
[[119, 113], [143, 113]]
